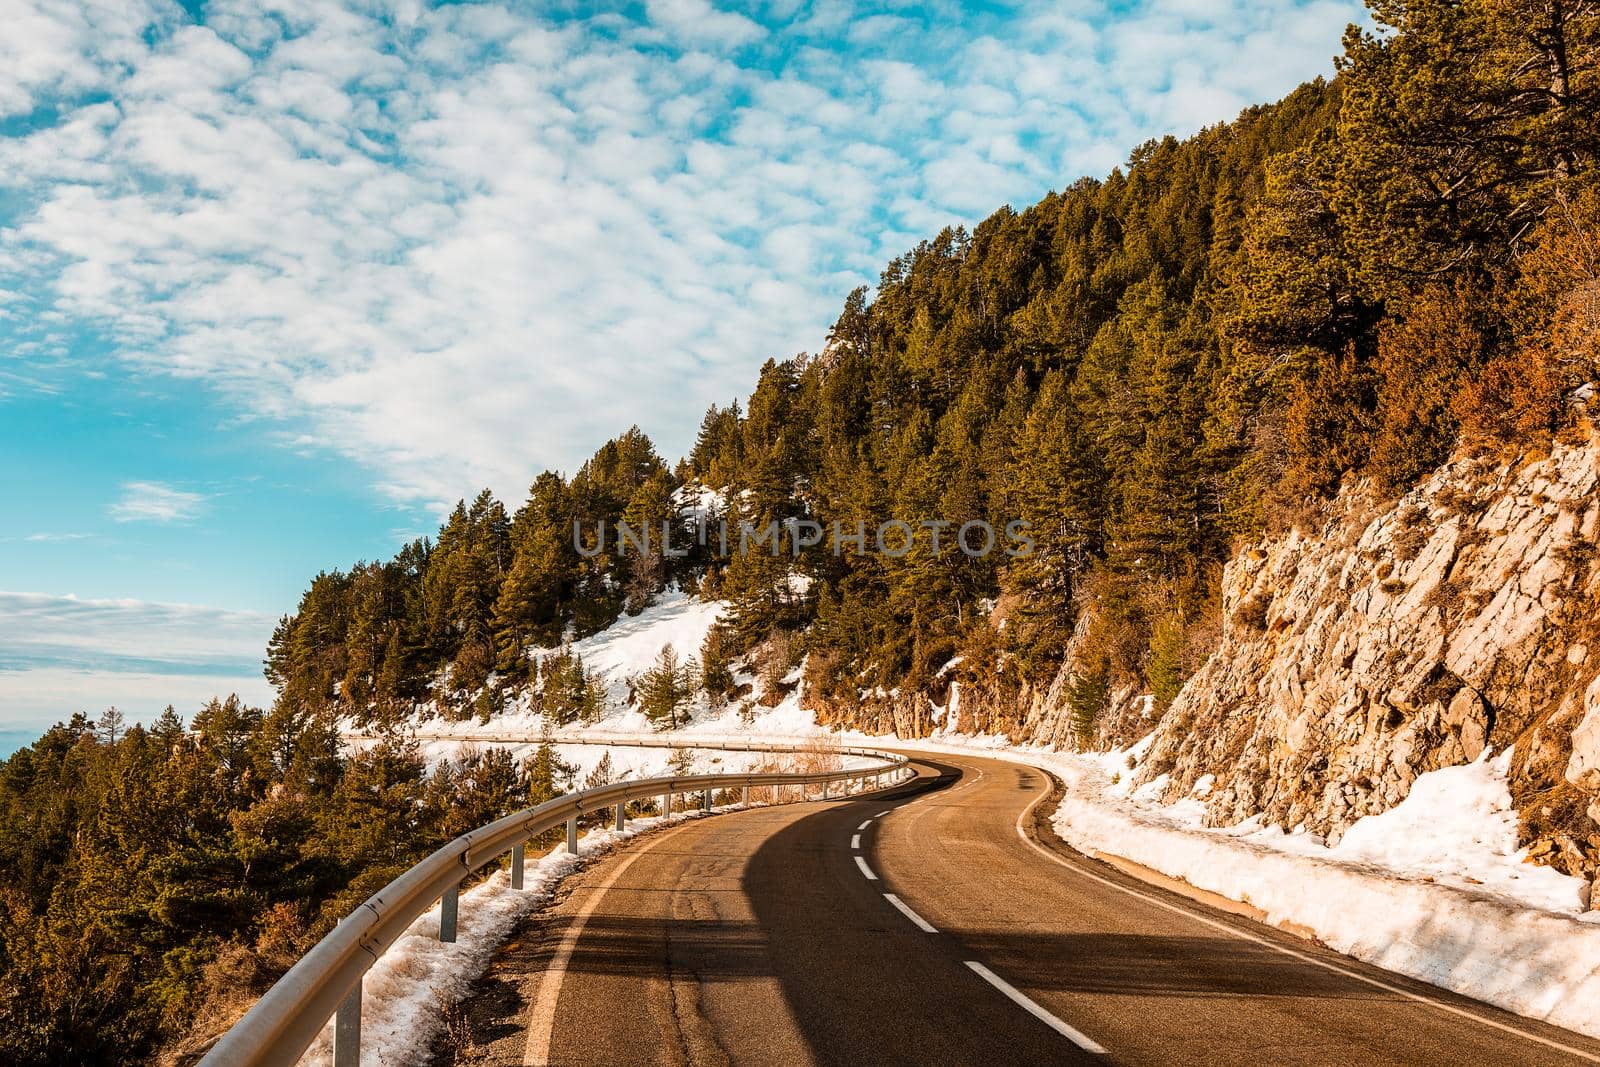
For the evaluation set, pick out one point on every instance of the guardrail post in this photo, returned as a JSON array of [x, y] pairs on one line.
[[518, 857], [572, 834], [347, 1029], [706, 802], [746, 801], [666, 804], [449, 905], [622, 814]]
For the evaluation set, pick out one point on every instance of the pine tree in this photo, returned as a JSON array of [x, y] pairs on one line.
[[651, 518], [681, 763], [716, 668], [569, 692], [1461, 122], [602, 774], [109, 727], [528, 611], [666, 690], [548, 776], [168, 727]]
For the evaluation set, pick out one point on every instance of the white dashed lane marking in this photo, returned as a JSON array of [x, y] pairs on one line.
[[921, 924], [1027, 1004]]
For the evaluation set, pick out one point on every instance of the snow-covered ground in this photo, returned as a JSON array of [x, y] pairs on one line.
[[1435, 888], [619, 654], [623, 652], [1456, 827]]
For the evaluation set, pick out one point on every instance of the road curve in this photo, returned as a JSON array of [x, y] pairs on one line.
[[940, 923]]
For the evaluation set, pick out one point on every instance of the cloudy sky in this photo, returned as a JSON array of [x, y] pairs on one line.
[[277, 280]]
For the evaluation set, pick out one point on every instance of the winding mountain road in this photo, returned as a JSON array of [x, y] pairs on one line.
[[939, 923]]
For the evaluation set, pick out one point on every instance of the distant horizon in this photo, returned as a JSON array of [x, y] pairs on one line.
[[14, 739]]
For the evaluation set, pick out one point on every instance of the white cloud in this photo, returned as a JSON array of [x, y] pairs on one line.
[[60, 654], [53, 694], [47, 538], [73, 630], [697, 20], [460, 244], [156, 502]]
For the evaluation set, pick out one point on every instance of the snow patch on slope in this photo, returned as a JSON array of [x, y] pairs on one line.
[[628, 647]]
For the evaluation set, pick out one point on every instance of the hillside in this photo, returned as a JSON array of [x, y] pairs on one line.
[[1239, 340], [1295, 412]]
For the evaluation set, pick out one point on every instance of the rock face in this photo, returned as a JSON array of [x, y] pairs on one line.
[[1402, 637], [1405, 637]]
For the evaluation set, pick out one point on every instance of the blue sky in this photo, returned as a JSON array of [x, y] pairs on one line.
[[278, 281]]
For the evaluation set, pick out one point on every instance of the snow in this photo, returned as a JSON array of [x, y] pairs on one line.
[[403, 992], [629, 646], [698, 502], [1457, 827], [617, 654], [1434, 888], [1458, 823]]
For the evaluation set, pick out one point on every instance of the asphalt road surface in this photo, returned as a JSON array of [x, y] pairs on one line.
[[938, 923]]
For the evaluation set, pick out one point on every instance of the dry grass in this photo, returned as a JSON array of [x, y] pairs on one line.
[[457, 1043]]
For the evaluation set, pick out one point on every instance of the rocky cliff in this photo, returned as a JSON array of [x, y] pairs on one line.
[[1403, 637]]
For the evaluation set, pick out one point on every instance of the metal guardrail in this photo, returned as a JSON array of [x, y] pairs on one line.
[[326, 982]]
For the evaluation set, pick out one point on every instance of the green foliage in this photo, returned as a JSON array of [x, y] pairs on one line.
[[1165, 665], [1462, 122], [568, 692], [548, 775], [154, 882], [716, 667], [666, 690], [1087, 693], [458, 622]]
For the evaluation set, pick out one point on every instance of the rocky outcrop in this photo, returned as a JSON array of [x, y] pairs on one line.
[[1404, 637], [1583, 766]]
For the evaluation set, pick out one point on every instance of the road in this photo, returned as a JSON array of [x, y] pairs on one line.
[[940, 923]]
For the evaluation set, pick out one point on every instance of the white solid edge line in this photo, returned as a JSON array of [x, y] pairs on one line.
[[1022, 1000], [1287, 951], [864, 825], [905, 909], [865, 869], [855, 841]]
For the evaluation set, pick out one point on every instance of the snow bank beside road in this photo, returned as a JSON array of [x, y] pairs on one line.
[[1436, 890], [407, 987]]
